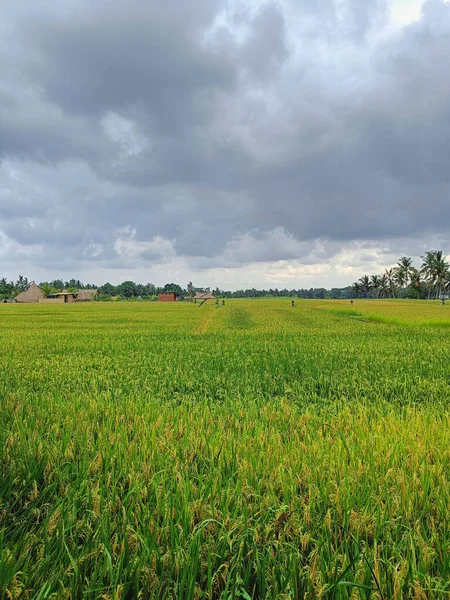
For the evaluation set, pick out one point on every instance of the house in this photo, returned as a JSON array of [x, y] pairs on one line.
[[203, 296], [63, 297], [33, 295], [167, 297]]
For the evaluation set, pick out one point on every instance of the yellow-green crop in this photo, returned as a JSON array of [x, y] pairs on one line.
[[253, 450]]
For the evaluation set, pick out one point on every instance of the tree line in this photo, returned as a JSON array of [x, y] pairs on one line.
[[430, 280]]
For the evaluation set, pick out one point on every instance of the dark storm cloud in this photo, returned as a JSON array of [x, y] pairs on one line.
[[227, 132]]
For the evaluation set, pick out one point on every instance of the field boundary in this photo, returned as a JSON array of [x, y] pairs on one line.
[[206, 321]]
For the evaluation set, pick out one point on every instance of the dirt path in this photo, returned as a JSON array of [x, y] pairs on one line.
[[206, 321]]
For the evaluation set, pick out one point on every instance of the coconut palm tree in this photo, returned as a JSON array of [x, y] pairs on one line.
[[427, 269], [436, 270], [405, 264], [356, 290], [415, 284], [384, 285], [400, 277], [391, 275], [365, 285], [375, 283], [441, 271]]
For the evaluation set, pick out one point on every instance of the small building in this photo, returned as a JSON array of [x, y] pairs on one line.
[[63, 297], [33, 295], [167, 297]]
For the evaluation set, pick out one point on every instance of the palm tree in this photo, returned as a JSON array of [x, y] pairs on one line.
[[356, 289], [391, 274], [415, 283], [400, 277], [384, 285], [405, 264], [436, 270], [441, 270], [365, 285], [375, 284], [427, 269], [46, 288]]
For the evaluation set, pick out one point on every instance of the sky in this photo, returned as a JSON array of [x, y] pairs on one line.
[[231, 143]]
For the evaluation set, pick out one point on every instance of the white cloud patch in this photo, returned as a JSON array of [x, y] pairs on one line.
[[158, 249], [125, 134]]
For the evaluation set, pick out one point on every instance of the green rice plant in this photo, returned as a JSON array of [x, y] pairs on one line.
[[253, 450]]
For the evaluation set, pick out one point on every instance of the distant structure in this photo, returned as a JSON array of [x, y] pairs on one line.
[[167, 297], [86, 295], [63, 297], [32, 296], [203, 296]]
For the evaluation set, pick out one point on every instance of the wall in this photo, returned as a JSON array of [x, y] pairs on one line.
[[51, 301], [166, 297]]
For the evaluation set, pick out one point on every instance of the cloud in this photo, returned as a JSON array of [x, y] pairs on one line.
[[158, 249], [274, 141]]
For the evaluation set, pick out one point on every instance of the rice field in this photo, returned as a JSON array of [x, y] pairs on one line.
[[252, 450]]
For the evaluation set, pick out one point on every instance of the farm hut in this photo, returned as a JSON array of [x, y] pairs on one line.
[[167, 297], [203, 296], [86, 295], [63, 297], [32, 296]]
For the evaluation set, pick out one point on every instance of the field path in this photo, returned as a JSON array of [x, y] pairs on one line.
[[206, 321]]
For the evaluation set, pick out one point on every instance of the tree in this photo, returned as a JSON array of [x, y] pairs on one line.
[[6, 288], [356, 290], [405, 264], [109, 289], [57, 284], [384, 285], [21, 284], [436, 271], [391, 277], [441, 270], [46, 288], [400, 277], [427, 269], [375, 284], [190, 291], [365, 285], [415, 284], [174, 288], [127, 289]]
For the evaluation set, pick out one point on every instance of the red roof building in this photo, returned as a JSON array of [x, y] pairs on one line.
[[167, 297]]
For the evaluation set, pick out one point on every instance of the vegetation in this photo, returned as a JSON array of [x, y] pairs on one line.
[[431, 280], [402, 281], [251, 450]]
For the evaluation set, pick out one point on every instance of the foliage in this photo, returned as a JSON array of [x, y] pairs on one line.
[[251, 451], [406, 281]]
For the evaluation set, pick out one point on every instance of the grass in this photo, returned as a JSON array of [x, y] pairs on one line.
[[248, 451]]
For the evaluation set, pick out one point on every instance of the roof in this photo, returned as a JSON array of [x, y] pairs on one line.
[[86, 294], [63, 293], [204, 296], [33, 294]]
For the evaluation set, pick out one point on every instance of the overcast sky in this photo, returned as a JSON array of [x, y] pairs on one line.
[[289, 143]]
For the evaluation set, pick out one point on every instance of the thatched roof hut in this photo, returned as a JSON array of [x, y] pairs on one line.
[[203, 296], [85, 295], [32, 295]]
